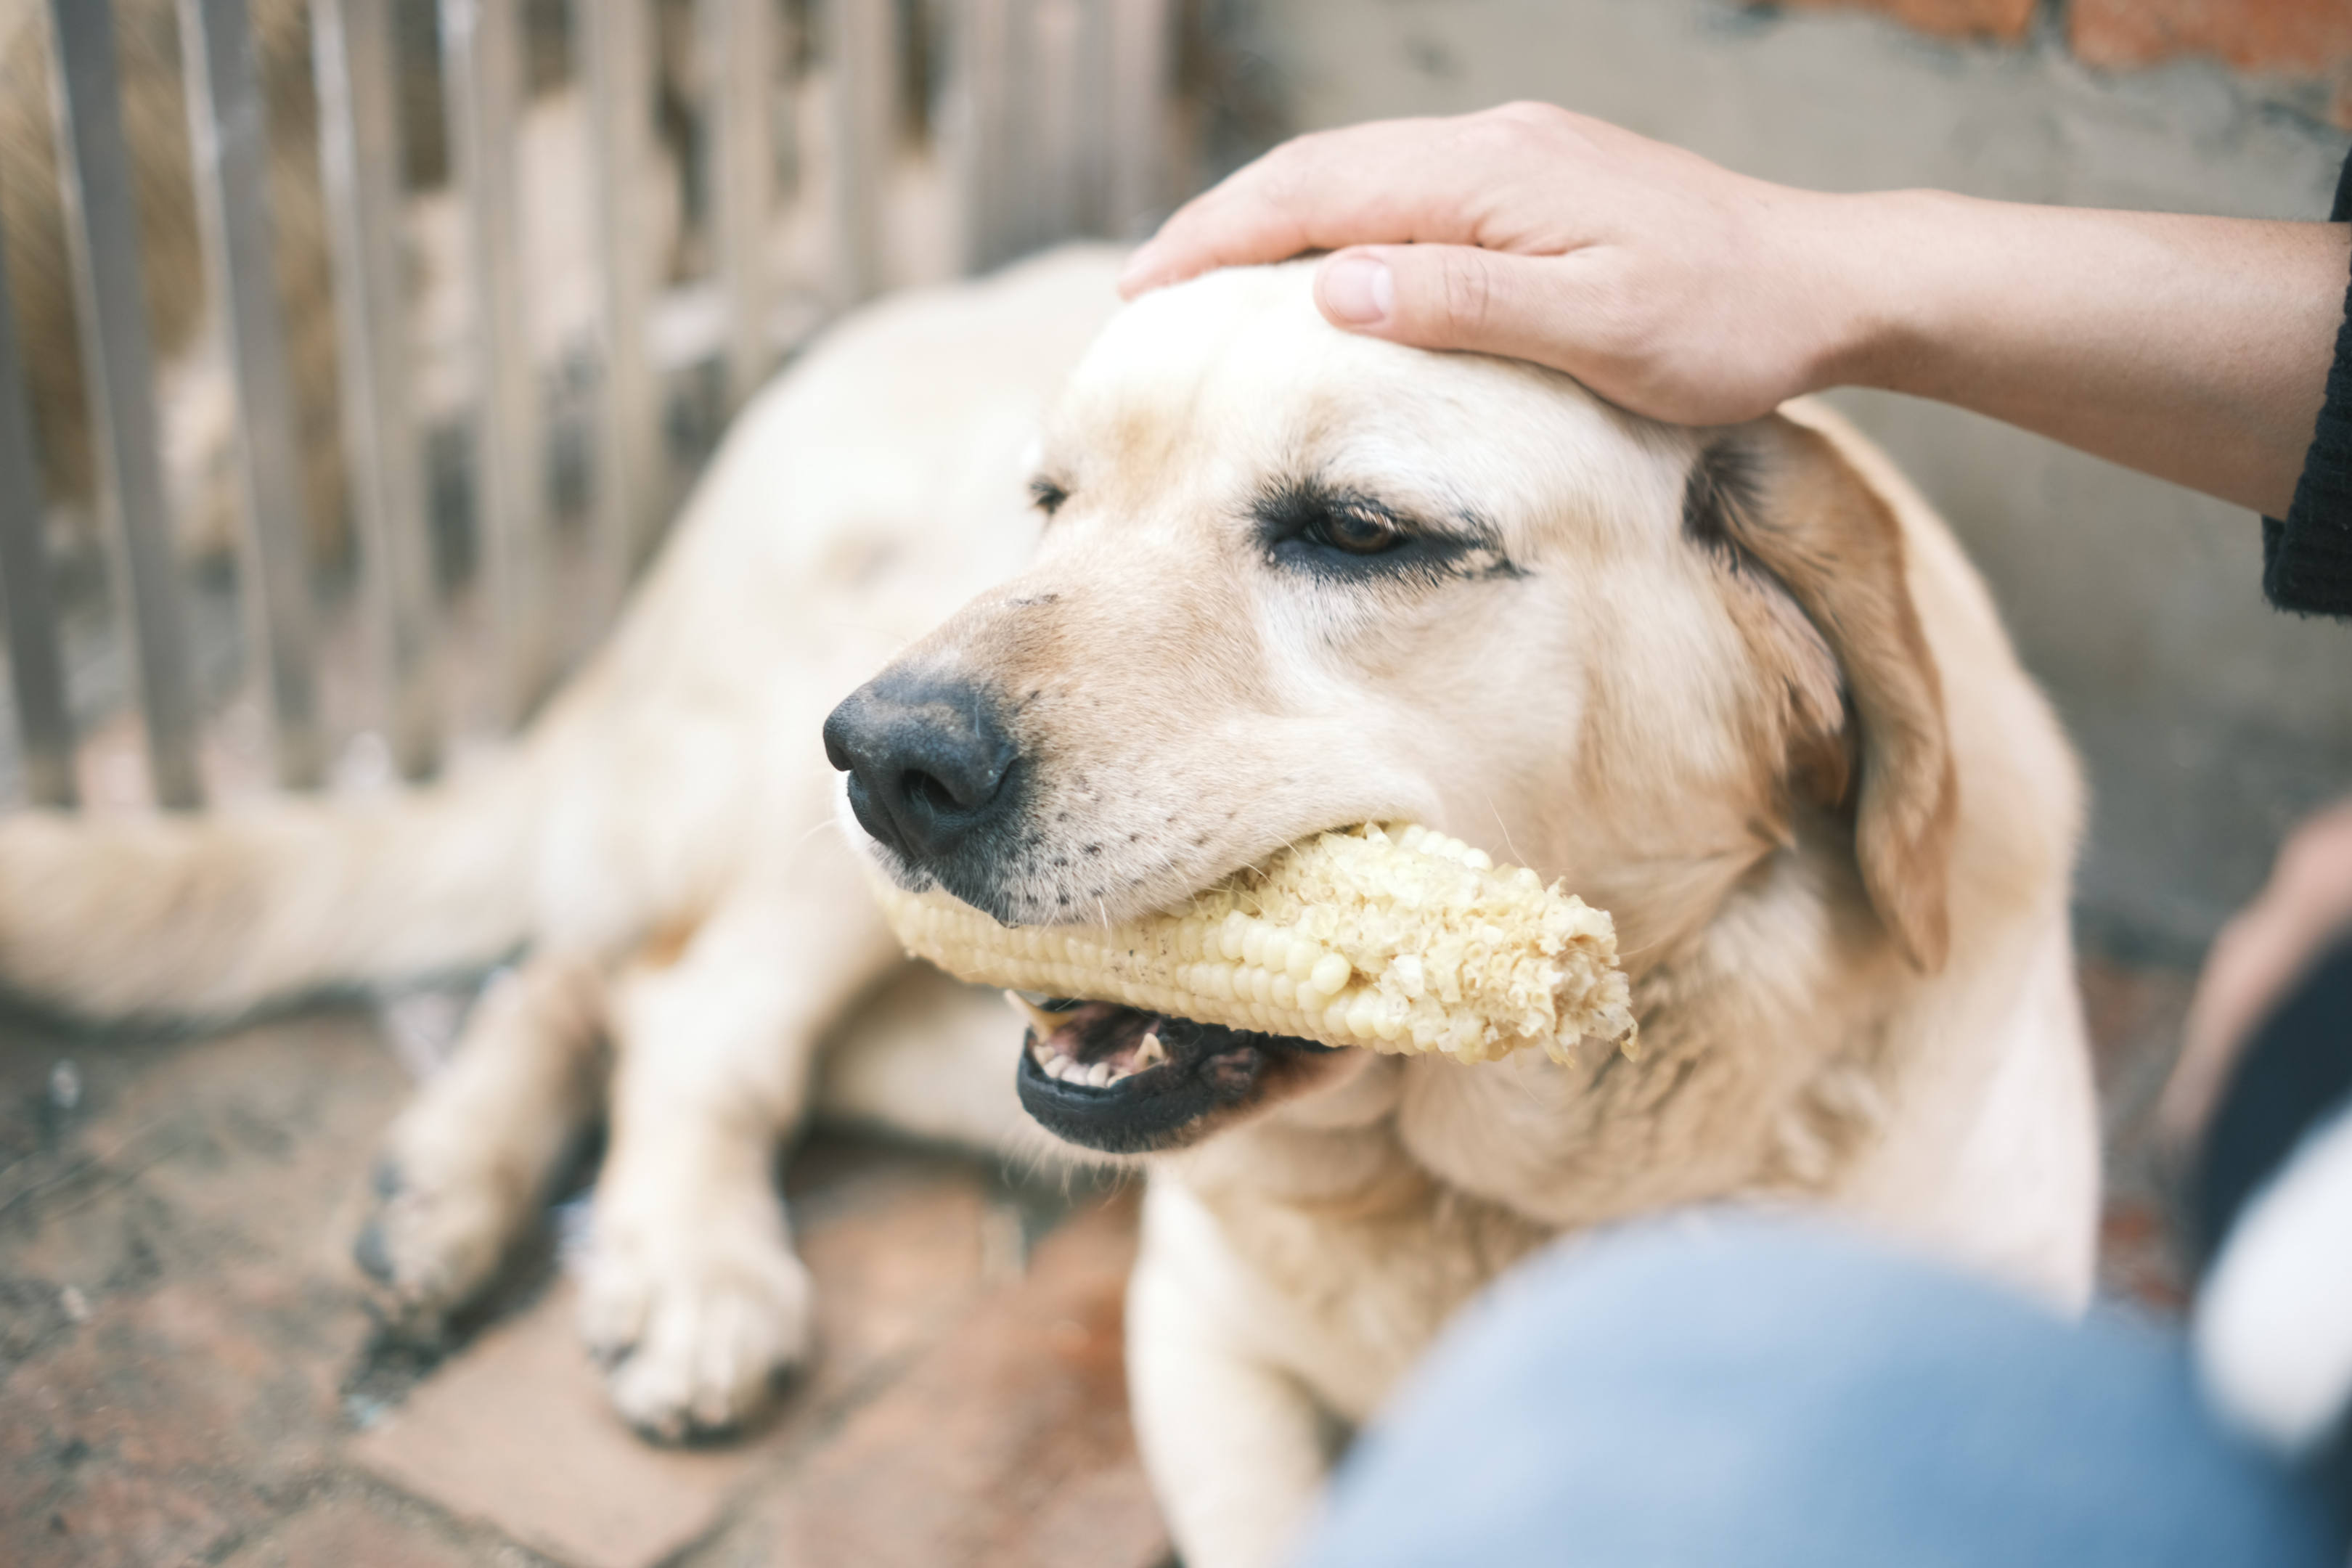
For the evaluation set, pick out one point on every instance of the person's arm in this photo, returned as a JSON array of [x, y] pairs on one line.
[[2196, 349]]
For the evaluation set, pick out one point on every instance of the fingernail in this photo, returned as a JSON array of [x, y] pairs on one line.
[[1357, 289]]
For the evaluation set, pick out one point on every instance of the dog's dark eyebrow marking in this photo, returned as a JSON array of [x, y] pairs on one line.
[[1721, 498], [1295, 518], [1046, 495]]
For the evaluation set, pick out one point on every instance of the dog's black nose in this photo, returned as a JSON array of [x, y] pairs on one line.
[[927, 759]]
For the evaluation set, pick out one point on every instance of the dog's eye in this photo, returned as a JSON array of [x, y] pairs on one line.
[[1047, 496], [1357, 529]]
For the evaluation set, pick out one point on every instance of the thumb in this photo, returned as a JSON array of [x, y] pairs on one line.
[[1449, 297]]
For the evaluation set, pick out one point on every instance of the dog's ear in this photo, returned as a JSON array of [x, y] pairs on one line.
[[1818, 561]]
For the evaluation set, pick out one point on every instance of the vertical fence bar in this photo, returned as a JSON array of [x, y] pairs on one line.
[[481, 42], [1024, 187], [229, 136], [616, 65], [359, 162], [738, 56], [35, 670], [1090, 163], [103, 230], [978, 131], [1141, 51], [1055, 37], [862, 64]]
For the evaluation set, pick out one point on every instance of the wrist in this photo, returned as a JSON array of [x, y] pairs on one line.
[[1878, 277]]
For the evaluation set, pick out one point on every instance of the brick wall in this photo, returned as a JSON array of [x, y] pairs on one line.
[[2302, 43]]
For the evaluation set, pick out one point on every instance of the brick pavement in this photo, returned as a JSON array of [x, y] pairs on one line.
[[188, 1373], [2135, 1016]]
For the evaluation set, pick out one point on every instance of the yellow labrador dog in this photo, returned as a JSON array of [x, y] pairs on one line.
[[1736, 685]]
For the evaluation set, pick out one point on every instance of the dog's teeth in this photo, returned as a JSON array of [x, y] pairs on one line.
[[1099, 1075], [1039, 1019], [1151, 1053], [1038, 1053], [1063, 1067]]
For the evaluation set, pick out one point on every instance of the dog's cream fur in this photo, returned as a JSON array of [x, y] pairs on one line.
[[1785, 743]]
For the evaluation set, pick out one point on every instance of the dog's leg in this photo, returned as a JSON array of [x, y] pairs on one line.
[[467, 1167], [693, 1299], [1236, 1448]]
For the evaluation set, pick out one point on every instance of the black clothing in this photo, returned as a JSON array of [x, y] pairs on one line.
[[2308, 559], [2294, 1075], [2297, 1072]]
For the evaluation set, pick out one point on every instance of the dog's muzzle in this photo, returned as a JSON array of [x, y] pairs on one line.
[[935, 780], [1125, 1081]]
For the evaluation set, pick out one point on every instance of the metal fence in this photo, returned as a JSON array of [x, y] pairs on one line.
[[1013, 123]]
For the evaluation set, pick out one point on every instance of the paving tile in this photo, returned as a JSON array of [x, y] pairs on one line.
[[2134, 1015], [177, 1319], [2139, 1260], [516, 1432], [350, 1531], [1006, 1446], [117, 1518], [897, 1252], [245, 1147], [167, 1421], [264, 1136]]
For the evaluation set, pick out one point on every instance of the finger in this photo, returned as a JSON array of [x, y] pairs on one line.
[[1460, 297], [1389, 182], [1235, 224]]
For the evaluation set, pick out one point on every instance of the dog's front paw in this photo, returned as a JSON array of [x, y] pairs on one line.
[[695, 1322], [432, 1246]]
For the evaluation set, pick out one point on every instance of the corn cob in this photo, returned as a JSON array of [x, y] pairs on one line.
[[1389, 936]]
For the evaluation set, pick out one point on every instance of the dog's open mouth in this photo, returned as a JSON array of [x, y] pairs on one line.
[[1126, 1081]]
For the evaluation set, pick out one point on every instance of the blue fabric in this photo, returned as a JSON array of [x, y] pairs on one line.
[[1725, 1391]]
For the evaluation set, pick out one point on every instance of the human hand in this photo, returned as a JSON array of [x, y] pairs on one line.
[[1670, 286], [2195, 349], [2258, 957]]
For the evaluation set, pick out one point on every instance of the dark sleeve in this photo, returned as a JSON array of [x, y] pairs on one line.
[[2295, 1072], [2307, 558]]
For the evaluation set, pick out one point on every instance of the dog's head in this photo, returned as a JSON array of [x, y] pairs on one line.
[[1293, 578]]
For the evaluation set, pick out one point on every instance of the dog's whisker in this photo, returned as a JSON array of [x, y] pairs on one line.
[[828, 825], [1517, 858]]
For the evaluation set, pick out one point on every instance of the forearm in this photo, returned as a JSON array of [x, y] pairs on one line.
[[2196, 349]]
